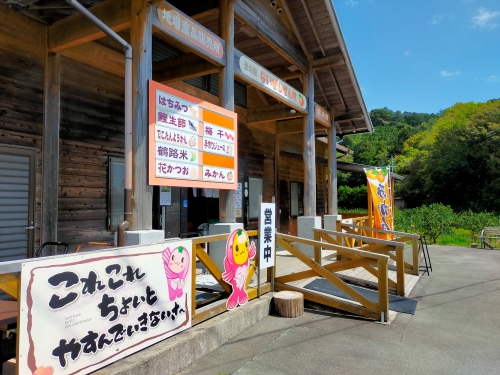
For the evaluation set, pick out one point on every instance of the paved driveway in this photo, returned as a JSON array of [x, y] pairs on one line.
[[456, 330]]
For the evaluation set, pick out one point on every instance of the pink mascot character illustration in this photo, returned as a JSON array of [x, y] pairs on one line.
[[239, 252], [176, 264]]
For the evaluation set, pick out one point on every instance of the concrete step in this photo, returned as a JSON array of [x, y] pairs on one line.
[[177, 352]]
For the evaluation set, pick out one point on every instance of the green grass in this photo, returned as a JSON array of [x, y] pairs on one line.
[[462, 237], [353, 211]]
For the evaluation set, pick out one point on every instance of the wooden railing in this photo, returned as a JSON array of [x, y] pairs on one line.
[[373, 245], [9, 281], [401, 237], [352, 258], [219, 307]]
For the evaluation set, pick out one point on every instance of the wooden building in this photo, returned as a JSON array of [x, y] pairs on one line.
[[62, 118]]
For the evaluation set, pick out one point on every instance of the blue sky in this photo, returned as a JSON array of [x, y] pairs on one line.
[[423, 55]]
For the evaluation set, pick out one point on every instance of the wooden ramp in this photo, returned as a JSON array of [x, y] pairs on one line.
[[287, 264]]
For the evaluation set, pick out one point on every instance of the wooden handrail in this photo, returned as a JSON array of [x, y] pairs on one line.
[[382, 230], [358, 258], [402, 237], [360, 237], [344, 249], [376, 246], [219, 237]]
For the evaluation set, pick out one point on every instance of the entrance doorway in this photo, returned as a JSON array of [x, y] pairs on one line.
[[17, 202]]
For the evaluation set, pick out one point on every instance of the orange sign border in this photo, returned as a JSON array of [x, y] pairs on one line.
[[157, 181]]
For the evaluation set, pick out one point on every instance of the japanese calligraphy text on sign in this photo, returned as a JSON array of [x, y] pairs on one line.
[[274, 85], [267, 241], [189, 30], [80, 313], [192, 143], [321, 115]]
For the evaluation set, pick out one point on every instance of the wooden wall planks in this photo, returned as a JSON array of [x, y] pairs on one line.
[[92, 126], [22, 43]]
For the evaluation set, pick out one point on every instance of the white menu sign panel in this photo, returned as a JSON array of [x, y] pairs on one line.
[[192, 143]]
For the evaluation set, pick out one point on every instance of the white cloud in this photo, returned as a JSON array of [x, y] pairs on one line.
[[436, 19], [494, 78], [352, 3], [445, 73], [406, 53], [484, 18]]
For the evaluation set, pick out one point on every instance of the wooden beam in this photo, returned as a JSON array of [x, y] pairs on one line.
[[309, 146], [274, 34], [182, 67], [141, 41], [269, 127], [286, 74], [271, 113], [291, 155], [349, 116], [227, 198], [294, 126], [77, 29], [206, 13], [97, 56], [328, 62], [290, 126], [50, 169]]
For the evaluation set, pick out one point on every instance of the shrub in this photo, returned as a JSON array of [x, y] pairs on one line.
[[352, 197]]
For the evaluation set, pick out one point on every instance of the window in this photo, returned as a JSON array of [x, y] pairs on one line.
[[254, 192], [116, 193], [296, 199]]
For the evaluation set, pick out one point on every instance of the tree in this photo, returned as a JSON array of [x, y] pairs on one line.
[[456, 161], [433, 220]]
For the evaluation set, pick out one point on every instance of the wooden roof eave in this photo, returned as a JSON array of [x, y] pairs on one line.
[[349, 66]]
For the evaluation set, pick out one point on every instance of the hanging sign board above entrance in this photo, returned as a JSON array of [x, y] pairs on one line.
[[80, 313], [190, 32], [256, 75], [322, 116], [192, 143]]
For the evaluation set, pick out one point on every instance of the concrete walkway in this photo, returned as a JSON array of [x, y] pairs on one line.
[[456, 330]]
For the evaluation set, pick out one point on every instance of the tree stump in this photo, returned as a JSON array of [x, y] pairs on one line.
[[289, 304]]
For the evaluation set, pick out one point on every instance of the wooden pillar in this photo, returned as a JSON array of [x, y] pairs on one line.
[[277, 194], [332, 169], [370, 210], [227, 198], [50, 168], [141, 42], [309, 146]]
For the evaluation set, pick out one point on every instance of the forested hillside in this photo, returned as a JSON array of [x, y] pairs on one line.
[[452, 157]]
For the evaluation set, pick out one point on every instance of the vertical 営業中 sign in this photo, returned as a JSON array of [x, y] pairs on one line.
[[267, 240]]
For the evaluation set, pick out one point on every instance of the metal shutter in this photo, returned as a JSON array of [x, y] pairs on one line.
[[14, 206]]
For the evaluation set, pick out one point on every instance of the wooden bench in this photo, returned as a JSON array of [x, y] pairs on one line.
[[488, 234]]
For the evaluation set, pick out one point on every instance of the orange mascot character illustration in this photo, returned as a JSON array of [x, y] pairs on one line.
[[239, 252]]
